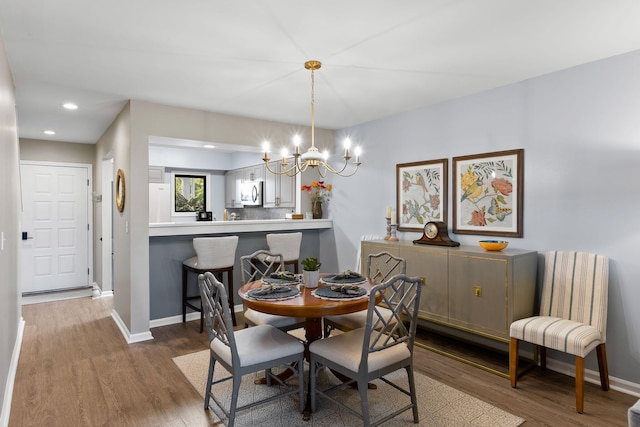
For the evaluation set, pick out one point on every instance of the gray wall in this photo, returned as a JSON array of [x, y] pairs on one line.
[[580, 131], [10, 309], [55, 151]]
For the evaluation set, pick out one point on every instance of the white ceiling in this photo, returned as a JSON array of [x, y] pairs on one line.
[[380, 57]]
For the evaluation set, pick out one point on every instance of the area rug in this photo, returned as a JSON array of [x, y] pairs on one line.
[[439, 404]]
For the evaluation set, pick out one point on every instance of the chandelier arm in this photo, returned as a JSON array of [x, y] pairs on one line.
[[341, 171], [332, 170], [349, 174]]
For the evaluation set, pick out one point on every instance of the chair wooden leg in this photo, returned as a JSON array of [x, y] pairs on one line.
[[543, 356], [601, 352], [513, 361], [184, 294], [232, 304], [579, 384]]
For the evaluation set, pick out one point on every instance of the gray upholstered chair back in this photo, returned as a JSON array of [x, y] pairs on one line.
[[575, 287], [287, 244], [215, 252]]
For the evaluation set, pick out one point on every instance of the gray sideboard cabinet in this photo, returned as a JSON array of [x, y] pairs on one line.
[[467, 287]]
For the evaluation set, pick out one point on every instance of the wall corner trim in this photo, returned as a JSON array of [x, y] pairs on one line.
[[130, 338]]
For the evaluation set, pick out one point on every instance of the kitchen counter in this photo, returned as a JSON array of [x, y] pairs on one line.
[[172, 243], [237, 226]]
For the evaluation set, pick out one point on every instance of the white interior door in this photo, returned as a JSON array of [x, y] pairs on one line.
[[56, 222]]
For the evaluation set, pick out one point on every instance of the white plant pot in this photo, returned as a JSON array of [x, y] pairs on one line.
[[311, 278]]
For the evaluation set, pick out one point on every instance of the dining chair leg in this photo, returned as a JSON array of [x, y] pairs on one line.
[[234, 400], [301, 384], [231, 302], [207, 395], [513, 361], [412, 390], [184, 294], [312, 385], [363, 388], [543, 356], [579, 384], [601, 352]]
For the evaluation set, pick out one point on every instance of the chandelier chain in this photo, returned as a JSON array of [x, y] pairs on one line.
[[313, 108]]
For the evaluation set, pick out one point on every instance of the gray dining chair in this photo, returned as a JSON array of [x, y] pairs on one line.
[[383, 346], [254, 267], [380, 267], [245, 351]]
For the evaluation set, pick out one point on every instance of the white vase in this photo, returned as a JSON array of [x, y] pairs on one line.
[[311, 278]]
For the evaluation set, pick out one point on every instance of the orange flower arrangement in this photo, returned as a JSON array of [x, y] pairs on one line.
[[317, 191]]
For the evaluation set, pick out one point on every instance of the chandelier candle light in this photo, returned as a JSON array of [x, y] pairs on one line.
[[312, 157]]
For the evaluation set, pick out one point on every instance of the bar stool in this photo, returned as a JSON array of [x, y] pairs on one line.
[[214, 254], [287, 244]]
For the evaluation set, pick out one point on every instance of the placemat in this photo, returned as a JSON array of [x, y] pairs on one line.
[[277, 292], [278, 281], [339, 279], [335, 292]]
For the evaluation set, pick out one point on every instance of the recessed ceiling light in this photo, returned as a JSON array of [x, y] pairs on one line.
[[49, 132], [70, 106], [209, 146]]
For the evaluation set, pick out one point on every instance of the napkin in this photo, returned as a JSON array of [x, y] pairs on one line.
[[347, 274], [269, 289], [284, 275], [346, 289]]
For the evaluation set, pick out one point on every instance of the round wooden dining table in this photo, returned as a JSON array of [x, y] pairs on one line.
[[312, 308], [306, 305]]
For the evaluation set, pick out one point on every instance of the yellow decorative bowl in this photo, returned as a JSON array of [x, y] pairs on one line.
[[493, 245]]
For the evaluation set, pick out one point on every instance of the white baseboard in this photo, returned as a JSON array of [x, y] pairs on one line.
[[11, 378], [56, 296], [593, 377], [129, 338], [194, 315], [172, 320]]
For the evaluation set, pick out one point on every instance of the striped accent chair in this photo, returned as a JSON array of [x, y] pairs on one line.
[[573, 315]]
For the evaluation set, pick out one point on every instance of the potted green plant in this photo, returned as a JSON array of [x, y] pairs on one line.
[[311, 272]]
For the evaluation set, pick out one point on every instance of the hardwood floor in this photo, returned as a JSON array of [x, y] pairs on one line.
[[75, 369]]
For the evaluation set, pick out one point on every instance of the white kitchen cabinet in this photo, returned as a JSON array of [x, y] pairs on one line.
[[233, 180], [279, 190], [253, 173]]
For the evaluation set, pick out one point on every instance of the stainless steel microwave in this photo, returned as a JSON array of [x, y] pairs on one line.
[[251, 193]]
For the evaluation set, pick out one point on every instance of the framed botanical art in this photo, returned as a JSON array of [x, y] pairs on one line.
[[488, 193], [421, 189]]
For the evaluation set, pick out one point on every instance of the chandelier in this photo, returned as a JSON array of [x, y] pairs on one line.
[[312, 158]]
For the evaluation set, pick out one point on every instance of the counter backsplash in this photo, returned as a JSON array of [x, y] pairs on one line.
[[257, 213]]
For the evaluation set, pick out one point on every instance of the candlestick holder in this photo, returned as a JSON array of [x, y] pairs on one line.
[[393, 237], [388, 236]]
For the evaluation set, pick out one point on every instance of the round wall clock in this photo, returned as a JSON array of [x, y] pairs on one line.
[[120, 190]]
